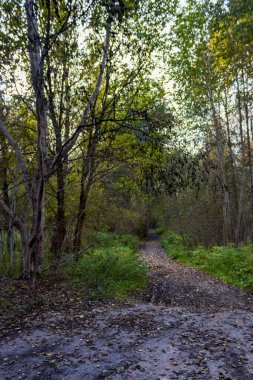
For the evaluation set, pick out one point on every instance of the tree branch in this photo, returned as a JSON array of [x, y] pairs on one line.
[[20, 157], [17, 222], [70, 143]]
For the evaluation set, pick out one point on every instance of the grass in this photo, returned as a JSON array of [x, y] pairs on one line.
[[112, 269], [230, 264]]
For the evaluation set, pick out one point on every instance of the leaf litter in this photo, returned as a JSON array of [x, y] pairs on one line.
[[186, 325]]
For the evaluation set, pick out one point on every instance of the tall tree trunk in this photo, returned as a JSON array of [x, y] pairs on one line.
[[227, 225], [88, 169], [59, 230], [5, 189], [227, 229], [232, 163], [9, 225], [249, 151], [81, 216], [239, 233], [36, 57]]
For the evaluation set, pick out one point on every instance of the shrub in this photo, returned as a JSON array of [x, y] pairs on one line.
[[112, 270], [161, 230]]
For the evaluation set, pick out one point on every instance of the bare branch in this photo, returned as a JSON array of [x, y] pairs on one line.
[[70, 143], [6, 210], [20, 157]]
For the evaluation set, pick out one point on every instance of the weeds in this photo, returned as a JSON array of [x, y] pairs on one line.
[[111, 270], [232, 265]]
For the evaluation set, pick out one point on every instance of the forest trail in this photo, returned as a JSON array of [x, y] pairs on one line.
[[187, 325], [174, 284]]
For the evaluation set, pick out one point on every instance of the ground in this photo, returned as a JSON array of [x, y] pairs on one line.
[[187, 325]]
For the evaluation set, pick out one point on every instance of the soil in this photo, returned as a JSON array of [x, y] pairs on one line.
[[187, 325]]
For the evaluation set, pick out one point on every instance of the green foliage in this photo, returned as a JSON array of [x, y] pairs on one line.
[[171, 239], [5, 269], [161, 230], [113, 269], [230, 264]]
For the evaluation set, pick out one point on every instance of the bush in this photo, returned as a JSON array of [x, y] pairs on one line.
[[173, 244], [113, 269], [161, 230]]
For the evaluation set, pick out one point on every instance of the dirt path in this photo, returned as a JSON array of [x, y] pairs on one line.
[[186, 326], [178, 285]]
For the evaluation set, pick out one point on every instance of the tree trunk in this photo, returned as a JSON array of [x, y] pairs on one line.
[[81, 216], [59, 231], [88, 169], [249, 152], [22, 228], [227, 230], [8, 222], [239, 233], [232, 165], [36, 242]]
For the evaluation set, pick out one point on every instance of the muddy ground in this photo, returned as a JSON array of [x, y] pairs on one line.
[[187, 325]]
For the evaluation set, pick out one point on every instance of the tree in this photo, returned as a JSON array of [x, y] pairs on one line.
[[67, 74], [208, 67]]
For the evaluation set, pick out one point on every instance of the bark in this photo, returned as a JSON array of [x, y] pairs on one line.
[[81, 216], [22, 228], [88, 170], [9, 224], [89, 166], [20, 157], [249, 152], [59, 230], [239, 235], [5, 191], [227, 230], [232, 161], [36, 57]]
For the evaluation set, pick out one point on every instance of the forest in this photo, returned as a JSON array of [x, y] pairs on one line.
[[126, 139], [121, 116]]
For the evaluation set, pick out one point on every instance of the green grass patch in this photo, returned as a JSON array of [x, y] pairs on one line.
[[161, 230], [232, 265], [113, 269]]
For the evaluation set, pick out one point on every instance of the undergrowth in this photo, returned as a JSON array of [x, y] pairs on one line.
[[112, 269], [232, 265]]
